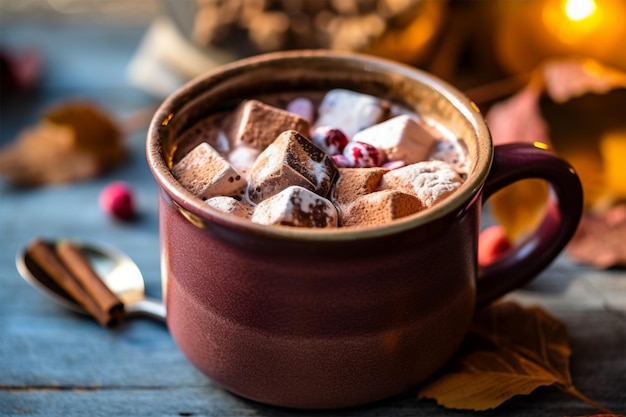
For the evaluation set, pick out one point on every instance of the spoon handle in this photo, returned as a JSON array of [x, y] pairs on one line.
[[147, 307]]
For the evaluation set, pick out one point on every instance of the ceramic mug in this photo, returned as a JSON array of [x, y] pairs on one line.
[[323, 318]]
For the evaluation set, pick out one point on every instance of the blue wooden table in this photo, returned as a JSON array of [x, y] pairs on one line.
[[57, 363]]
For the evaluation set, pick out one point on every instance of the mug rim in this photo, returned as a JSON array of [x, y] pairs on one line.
[[199, 213]]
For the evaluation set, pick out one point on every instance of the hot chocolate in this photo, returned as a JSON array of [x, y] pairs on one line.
[[312, 317], [341, 159]]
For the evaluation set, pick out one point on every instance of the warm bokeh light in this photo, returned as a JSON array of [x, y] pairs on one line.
[[579, 9], [571, 21], [533, 31]]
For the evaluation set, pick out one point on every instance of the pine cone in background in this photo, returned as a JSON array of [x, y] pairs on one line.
[[399, 29]]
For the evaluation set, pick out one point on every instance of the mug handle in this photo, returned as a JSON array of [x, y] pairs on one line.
[[517, 161]]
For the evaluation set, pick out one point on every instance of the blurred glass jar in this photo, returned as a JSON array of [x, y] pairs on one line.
[[403, 30]]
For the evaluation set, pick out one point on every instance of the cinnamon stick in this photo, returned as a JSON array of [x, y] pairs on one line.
[[45, 256], [83, 272]]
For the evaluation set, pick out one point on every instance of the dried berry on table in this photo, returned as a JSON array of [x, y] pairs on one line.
[[118, 200], [19, 70], [492, 244]]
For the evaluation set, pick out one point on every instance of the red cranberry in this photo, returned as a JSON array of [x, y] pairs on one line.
[[362, 155], [117, 200], [331, 140], [491, 244], [341, 161]]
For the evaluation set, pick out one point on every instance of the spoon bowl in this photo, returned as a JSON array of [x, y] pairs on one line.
[[114, 267]]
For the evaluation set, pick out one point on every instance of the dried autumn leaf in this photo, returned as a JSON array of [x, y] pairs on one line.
[[510, 351], [74, 141], [531, 332], [586, 108], [518, 119], [599, 241], [45, 154], [613, 151], [572, 131], [569, 78], [484, 380], [95, 132], [520, 207]]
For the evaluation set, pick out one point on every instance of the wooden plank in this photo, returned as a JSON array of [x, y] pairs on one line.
[[137, 386]]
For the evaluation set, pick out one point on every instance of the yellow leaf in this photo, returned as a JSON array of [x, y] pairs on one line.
[[95, 132], [613, 149], [511, 351], [568, 78], [520, 207], [73, 141], [577, 107], [484, 380]]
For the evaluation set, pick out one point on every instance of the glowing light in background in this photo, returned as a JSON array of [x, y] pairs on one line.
[[571, 21], [579, 9]]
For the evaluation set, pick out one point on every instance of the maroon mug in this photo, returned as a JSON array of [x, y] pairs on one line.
[[323, 318]]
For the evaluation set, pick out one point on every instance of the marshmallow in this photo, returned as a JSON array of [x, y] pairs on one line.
[[242, 158], [430, 181], [296, 206], [303, 107], [231, 205], [452, 151], [257, 124], [400, 138], [205, 173], [379, 208], [356, 182], [207, 130], [291, 160], [350, 111]]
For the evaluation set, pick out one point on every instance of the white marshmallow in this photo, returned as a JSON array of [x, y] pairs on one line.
[[296, 206], [303, 107], [400, 138], [430, 181], [230, 205], [291, 159], [205, 173], [350, 111], [242, 158]]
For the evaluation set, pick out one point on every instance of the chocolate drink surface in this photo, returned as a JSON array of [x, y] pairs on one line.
[[337, 159]]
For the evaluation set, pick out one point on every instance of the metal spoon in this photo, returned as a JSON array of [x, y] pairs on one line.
[[115, 269]]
